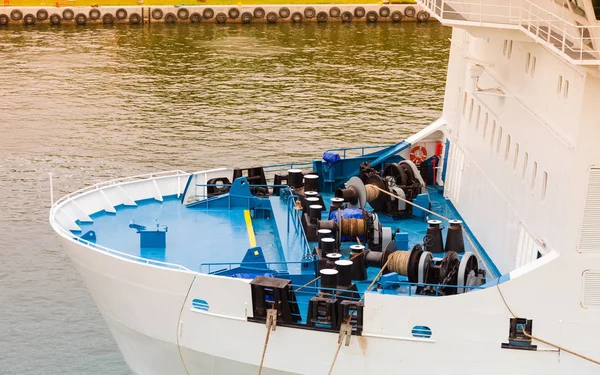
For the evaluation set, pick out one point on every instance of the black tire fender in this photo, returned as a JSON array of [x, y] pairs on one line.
[[108, 19], [221, 17], [423, 16], [322, 17], [384, 12], [29, 19], [359, 12], [55, 19], [310, 12], [121, 14], [195, 17], [16, 15], [396, 16], [272, 17], [170, 18], [157, 14], [334, 12], [4, 19], [346, 17], [233, 13], [208, 13], [372, 16], [246, 17], [80, 19], [284, 12], [183, 13], [42, 14], [297, 17], [259, 13], [135, 18], [410, 11]]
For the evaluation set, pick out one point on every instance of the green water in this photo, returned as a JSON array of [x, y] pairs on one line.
[[96, 103]]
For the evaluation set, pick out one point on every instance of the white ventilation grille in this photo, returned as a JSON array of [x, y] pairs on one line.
[[591, 289], [456, 162], [589, 237], [527, 247]]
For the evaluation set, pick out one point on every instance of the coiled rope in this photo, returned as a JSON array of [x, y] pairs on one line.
[[399, 262], [560, 348]]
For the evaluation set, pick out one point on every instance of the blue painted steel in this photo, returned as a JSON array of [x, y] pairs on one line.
[[402, 241], [495, 272], [156, 239], [89, 236], [423, 201], [446, 153], [389, 152], [200, 304], [421, 332], [255, 256], [187, 186]]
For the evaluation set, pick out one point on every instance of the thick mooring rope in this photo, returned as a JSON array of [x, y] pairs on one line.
[[560, 348], [441, 217], [399, 262], [262, 359]]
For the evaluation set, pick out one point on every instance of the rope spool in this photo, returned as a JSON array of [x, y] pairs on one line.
[[372, 192], [398, 262], [352, 227]]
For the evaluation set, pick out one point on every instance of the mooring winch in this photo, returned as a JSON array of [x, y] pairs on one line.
[[402, 179]]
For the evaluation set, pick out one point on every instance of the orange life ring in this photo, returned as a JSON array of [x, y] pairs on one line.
[[418, 154]]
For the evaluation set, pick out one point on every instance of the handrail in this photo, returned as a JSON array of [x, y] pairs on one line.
[[119, 253], [362, 148], [230, 265]]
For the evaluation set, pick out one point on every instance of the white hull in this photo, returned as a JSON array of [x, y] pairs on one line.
[[142, 303]]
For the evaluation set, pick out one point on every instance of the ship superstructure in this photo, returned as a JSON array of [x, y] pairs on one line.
[[474, 242]]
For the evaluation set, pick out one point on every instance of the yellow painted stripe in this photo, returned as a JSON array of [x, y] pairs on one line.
[[251, 236]]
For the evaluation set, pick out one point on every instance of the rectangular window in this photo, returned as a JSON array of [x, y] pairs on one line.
[[516, 158], [525, 161], [559, 85], [533, 61], [527, 62], [485, 122], [507, 151], [534, 175], [499, 139], [544, 185], [493, 133], [471, 110]]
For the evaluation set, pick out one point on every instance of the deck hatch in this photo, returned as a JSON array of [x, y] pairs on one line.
[[589, 237], [591, 289]]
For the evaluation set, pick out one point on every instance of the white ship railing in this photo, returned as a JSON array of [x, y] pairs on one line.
[[577, 43], [68, 234]]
